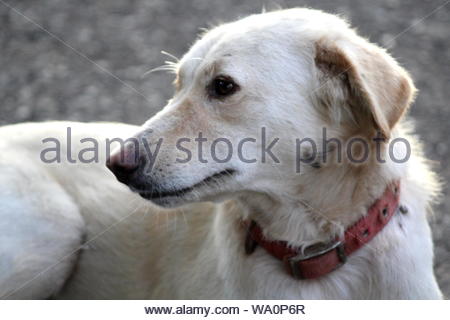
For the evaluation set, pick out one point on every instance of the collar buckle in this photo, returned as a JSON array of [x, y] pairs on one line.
[[294, 263]]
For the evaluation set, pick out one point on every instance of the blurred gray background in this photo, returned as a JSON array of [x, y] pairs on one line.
[[100, 48]]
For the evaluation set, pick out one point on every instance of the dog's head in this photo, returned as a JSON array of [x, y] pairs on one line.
[[246, 91]]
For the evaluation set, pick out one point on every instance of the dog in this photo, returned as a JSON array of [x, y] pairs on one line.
[[275, 172]]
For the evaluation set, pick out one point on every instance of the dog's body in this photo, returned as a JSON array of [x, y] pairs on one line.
[[197, 251]]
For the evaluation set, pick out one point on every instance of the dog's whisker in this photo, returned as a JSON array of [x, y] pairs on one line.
[[170, 55], [166, 67]]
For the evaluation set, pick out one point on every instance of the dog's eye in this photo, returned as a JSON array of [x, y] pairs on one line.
[[222, 86]]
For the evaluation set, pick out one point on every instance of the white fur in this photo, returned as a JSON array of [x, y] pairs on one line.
[[138, 250]]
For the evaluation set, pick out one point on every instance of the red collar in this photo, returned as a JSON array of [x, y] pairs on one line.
[[321, 259]]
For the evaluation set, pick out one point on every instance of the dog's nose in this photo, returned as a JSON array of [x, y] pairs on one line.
[[124, 163]]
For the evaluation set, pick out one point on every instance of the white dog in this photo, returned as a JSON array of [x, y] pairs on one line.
[[291, 215]]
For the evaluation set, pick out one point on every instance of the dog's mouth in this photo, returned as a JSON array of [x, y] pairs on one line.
[[159, 193]]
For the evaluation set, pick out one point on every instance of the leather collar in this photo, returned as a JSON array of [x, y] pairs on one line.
[[322, 258]]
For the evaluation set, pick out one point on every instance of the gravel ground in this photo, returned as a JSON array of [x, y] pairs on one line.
[[73, 70]]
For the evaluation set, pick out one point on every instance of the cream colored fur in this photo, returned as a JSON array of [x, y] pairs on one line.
[[299, 71]]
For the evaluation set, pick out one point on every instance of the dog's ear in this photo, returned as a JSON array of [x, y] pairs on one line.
[[360, 76]]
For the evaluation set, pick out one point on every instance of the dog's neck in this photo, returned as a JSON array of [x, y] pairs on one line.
[[320, 207]]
